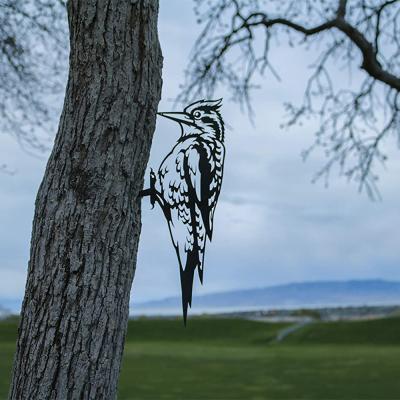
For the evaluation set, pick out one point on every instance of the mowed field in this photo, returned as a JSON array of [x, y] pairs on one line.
[[217, 358]]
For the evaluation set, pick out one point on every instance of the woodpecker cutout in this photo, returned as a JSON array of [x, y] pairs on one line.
[[188, 185]]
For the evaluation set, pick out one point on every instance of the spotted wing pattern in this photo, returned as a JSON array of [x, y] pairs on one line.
[[190, 178]]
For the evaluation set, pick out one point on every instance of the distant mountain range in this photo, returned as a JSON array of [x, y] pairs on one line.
[[293, 295]]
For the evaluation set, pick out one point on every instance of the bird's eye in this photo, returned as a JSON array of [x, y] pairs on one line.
[[197, 114]]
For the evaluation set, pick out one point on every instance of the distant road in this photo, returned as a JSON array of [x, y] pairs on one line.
[[282, 334]]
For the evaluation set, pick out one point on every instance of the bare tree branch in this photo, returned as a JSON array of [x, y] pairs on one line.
[[353, 122], [33, 54]]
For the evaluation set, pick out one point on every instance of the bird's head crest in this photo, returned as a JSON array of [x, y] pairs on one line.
[[200, 117], [204, 105]]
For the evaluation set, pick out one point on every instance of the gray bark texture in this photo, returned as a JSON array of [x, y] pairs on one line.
[[87, 218]]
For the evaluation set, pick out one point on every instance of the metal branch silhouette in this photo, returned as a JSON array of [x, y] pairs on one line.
[[188, 186]]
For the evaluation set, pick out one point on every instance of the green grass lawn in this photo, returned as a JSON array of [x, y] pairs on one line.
[[236, 359]]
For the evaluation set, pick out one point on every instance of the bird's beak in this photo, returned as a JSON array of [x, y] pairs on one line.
[[181, 117]]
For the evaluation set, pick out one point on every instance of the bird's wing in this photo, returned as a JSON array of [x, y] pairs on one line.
[[188, 228], [186, 225], [204, 177]]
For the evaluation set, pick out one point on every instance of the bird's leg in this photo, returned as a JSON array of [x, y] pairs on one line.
[[152, 192], [155, 196]]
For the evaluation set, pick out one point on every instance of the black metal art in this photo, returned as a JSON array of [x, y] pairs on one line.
[[188, 186]]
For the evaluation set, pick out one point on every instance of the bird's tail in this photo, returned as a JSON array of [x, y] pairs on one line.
[[187, 275], [200, 266]]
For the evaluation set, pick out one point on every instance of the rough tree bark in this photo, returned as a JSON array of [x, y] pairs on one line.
[[87, 218]]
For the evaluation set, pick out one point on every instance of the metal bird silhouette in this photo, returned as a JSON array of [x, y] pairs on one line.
[[188, 186]]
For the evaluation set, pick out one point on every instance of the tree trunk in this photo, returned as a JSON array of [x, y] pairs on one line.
[[87, 219]]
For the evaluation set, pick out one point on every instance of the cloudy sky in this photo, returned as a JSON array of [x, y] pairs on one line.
[[272, 225]]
